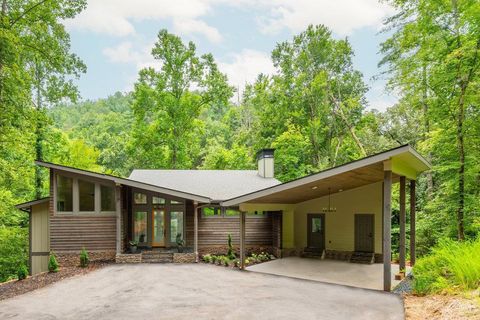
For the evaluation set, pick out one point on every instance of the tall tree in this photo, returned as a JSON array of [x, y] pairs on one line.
[[168, 102], [434, 61]]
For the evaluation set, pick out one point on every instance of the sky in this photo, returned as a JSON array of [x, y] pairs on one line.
[[115, 37]]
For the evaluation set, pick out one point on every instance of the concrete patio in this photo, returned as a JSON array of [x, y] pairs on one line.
[[368, 276]]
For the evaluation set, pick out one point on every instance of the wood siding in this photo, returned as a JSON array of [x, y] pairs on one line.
[[72, 232], [214, 231], [39, 240]]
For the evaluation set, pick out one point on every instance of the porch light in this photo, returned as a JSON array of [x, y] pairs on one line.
[[329, 208], [314, 187]]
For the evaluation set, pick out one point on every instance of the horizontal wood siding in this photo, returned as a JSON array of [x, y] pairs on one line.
[[214, 231], [71, 233]]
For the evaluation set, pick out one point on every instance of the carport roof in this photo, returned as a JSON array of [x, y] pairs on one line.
[[405, 161]]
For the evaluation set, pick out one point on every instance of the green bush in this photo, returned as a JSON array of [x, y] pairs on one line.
[[13, 250], [22, 272], [52, 263], [451, 266], [84, 260], [213, 259], [207, 258], [230, 252]]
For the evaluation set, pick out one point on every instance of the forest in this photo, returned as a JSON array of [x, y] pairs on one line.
[[313, 111]]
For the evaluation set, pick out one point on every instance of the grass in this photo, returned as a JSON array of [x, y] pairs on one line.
[[451, 267]]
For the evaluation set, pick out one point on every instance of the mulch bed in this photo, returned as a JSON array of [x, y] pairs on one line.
[[442, 307], [16, 287]]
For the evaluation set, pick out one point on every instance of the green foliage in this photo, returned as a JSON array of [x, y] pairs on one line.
[[84, 259], [451, 266], [52, 263], [207, 258], [230, 252], [13, 251], [22, 272]]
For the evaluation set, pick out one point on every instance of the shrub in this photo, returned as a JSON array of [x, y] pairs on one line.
[[22, 272], [207, 258], [226, 262], [84, 260], [451, 266], [52, 263], [230, 252], [213, 259]]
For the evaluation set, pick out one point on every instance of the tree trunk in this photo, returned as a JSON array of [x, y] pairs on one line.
[[461, 169], [426, 128], [39, 137]]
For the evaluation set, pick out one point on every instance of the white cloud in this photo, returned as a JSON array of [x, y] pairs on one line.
[[342, 16], [245, 66], [127, 53], [117, 17]]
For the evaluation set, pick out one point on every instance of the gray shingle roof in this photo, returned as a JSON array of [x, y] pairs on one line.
[[215, 184]]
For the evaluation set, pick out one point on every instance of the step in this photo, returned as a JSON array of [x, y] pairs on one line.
[[363, 257], [157, 257]]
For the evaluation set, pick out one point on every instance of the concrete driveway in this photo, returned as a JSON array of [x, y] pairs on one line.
[[169, 291]]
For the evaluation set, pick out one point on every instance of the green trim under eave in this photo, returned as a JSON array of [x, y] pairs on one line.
[[403, 169]]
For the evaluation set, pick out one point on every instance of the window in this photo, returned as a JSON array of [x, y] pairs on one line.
[[176, 226], [64, 194], [211, 211], [158, 200], [316, 225], [86, 195], [107, 198], [231, 212], [139, 198], [176, 202], [257, 213], [140, 226]]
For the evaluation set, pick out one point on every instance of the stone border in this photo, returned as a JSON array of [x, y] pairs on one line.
[[128, 258]]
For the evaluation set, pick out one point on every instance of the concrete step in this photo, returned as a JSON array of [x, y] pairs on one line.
[[363, 257], [157, 257]]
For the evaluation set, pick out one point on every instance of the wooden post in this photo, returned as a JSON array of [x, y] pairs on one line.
[[412, 222], [402, 224], [118, 214], [242, 240], [387, 226], [195, 229]]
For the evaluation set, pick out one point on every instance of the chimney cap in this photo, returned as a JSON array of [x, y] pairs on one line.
[[265, 153]]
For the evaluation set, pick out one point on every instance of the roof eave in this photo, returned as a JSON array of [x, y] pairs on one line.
[[127, 182], [379, 157]]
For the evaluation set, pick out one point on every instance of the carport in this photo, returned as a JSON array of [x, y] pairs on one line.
[[366, 276], [343, 212]]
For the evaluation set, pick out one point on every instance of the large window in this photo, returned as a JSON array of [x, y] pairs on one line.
[[75, 195], [140, 226], [86, 195], [176, 226], [107, 198], [64, 194]]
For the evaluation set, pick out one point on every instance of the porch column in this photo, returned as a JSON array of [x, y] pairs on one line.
[[195, 229], [387, 225], [412, 222], [402, 224], [118, 215], [242, 240]]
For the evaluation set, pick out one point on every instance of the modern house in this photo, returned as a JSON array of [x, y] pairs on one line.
[[341, 213]]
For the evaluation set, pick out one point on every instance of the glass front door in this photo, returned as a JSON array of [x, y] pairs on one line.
[[158, 228]]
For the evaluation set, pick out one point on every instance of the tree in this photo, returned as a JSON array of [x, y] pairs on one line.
[[433, 59], [168, 102]]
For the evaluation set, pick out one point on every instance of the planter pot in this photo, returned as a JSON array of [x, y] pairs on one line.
[[133, 249]]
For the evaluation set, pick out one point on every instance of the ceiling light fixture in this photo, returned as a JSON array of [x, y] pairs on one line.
[[314, 187], [330, 208]]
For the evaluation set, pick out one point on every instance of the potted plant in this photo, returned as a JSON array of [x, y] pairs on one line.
[[179, 242], [133, 246]]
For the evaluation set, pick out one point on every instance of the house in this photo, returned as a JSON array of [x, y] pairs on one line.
[[343, 212]]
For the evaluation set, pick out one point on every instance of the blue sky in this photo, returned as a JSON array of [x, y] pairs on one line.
[[114, 37]]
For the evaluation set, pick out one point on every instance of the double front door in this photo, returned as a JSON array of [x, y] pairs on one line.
[[157, 221]]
